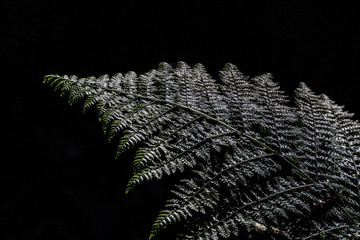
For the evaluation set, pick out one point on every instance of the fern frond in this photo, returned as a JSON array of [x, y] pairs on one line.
[[254, 165]]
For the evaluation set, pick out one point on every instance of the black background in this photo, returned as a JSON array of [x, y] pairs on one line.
[[59, 178]]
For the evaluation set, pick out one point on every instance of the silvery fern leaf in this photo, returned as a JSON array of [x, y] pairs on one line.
[[252, 166]]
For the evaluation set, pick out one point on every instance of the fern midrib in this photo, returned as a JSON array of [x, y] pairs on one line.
[[325, 231]]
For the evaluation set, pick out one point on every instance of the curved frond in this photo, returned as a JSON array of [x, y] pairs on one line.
[[249, 164]]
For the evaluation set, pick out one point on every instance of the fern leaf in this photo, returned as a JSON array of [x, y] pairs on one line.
[[254, 166]]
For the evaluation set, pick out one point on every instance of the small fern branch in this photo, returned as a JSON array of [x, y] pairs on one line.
[[146, 173], [236, 211]]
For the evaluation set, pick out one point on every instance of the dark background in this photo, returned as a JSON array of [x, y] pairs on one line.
[[59, 178]]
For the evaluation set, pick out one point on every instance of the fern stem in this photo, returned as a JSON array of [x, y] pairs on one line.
[[325, 231]]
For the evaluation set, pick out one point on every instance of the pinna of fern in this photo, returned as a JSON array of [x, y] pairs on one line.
[[254, 166]]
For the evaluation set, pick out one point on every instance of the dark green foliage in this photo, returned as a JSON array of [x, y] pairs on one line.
[[256, 168]]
